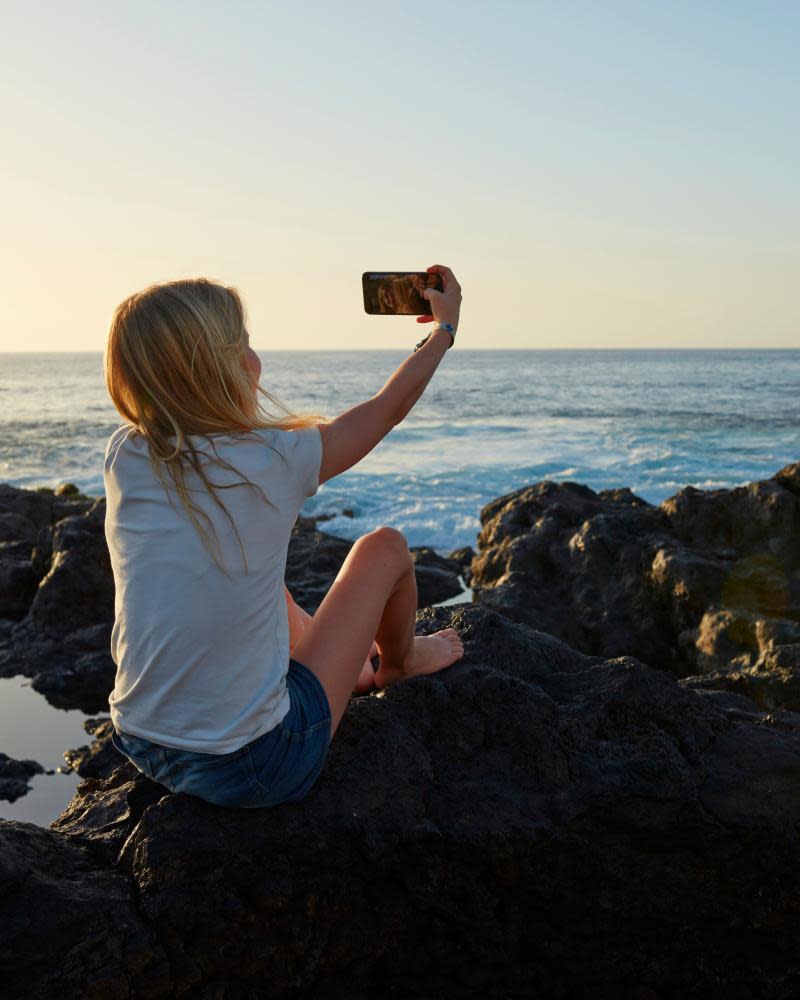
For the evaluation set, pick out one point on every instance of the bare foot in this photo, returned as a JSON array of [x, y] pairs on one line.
[[429, 653]]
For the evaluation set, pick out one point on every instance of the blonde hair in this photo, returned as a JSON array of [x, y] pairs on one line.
[[174, 367]]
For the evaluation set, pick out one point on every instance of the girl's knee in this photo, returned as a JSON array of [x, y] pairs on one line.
[[387, 544], [388, 541]]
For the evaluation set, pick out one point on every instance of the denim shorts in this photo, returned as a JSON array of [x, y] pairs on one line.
[[279, 766]]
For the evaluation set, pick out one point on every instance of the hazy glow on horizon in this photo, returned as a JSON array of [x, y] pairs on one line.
[[598, 175]]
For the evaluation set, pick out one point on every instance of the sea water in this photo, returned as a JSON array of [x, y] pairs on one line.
[[489, 422]]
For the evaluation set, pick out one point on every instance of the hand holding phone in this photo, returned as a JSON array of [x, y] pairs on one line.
[[445, 306], [399, 293], [429, 295]]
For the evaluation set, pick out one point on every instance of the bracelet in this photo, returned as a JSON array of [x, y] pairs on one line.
[[450, 329], [441, 326]]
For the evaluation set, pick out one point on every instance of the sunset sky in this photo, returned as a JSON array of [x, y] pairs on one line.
[[597, 174]]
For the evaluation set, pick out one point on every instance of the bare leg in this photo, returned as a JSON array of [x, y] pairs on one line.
[[366, 679], [374, 595], [395, 634], [299, 618], [402, 653]]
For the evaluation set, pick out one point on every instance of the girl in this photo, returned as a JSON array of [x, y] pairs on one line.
[[203, 486]]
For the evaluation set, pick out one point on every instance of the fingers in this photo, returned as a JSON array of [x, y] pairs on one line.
[[424, 319], [446, 273]]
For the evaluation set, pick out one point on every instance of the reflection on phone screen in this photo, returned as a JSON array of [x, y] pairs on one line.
[[398, 293]]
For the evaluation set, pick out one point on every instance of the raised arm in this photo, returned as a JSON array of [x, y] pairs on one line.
[[351, 436]]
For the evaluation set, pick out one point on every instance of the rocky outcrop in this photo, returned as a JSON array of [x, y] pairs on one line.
[[463, 559], [437, 576], [70, 928], [27, 521], [707, 583], [57, 589], [56, 626], [530, 821], [101, 757], [15, 775]]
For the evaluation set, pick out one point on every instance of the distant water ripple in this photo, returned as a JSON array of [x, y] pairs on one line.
[[489, 422]]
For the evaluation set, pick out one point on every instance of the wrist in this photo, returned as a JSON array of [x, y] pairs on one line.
[[438, 335], [448, 328]]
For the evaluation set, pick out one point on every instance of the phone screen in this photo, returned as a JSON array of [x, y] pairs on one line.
[[398, 293]]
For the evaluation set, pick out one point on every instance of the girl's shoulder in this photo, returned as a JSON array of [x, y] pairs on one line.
[[286, 440], [123, 433]]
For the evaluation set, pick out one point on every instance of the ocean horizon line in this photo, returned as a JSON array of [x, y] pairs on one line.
[[473, 350]]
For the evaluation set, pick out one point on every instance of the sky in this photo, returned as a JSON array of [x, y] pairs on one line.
[[597, 174]]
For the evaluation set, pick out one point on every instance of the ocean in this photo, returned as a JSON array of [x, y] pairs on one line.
[[489, 422]]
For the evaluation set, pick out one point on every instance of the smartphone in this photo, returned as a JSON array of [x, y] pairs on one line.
[[398, 293]]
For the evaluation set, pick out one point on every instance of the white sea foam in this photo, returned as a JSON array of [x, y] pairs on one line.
[[489, 423]]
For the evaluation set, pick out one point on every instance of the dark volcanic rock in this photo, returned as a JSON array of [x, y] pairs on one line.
[[32, 506], [69, 925], [530, 822], [16, 528], [571, 562], [709, 582], [437, 576], [99, 759], [85, 684], [56, 595], [463, 559], [15, 775], [315, 558], [78, 590], [17, 580]]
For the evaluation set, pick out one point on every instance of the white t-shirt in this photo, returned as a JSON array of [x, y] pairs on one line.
[[202, 658]]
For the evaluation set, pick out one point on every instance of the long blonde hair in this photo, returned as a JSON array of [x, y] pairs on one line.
[[174, 367]]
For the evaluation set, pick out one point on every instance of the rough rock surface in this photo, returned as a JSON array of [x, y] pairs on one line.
[[707, 583], [70, 927], [56, 626], [57, 590], [101, 757], [529, 822], [437, 576]]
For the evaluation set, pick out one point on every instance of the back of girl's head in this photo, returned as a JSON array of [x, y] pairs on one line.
[[175, 368], [174, 360]]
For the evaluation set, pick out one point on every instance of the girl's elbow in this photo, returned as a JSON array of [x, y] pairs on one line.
[[400, 415], [393, 411], [403, 409]]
